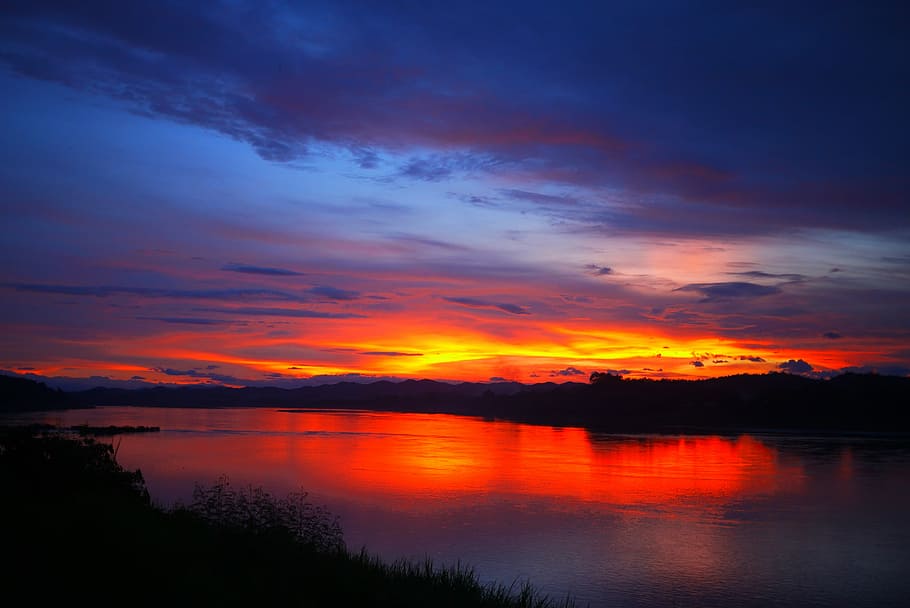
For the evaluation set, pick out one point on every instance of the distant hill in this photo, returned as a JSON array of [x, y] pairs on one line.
[[412, 395], [22, 394], [774, 401]]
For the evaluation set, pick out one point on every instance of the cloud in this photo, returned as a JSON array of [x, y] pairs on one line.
[[536, 197], [333, 293], [427, 170], [721, 292], [569, 371], [599, 271], [262, 270], [196, 373], [497, 379], [186, 320], [698, 364], [390, 353], [428, 242], [752, 358], [443, 166], [832, 335], [796, 366], [758, 274], [104, 291], [253, 81], [299, 313], [513, 309]]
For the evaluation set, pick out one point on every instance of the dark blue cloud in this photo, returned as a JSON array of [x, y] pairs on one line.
[[201, 375], [599, 271], [390, 353], [758, 274], [513, 309], [538, 198], [333, 293], [186, 320], [299, 313], [569, 371], [795, 366], [718, 292], [832, 335], [104, 291], [262, 270], [424, 242], [745, 116], [752, 358]]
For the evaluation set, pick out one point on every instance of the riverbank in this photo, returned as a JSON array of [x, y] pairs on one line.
[[774, 402], [81, 526]]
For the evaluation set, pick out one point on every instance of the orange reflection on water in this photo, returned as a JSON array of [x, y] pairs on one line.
[[403, 460], [413, 456]]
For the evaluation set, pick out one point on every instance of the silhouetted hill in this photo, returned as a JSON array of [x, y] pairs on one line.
[[424, 395], [22, 394], [851, 402]]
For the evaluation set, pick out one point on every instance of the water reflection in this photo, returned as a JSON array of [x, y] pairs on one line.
[[415, 457]]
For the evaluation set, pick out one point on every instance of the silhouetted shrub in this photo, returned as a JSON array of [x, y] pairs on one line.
[[257, 511]]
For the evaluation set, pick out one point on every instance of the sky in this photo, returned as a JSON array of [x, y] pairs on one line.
[[269, 193]]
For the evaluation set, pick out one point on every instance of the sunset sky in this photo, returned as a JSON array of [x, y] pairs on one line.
[[285, 194]]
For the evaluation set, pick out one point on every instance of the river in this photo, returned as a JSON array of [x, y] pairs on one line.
[[613, 520]]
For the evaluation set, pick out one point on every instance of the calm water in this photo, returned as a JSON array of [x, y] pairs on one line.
[[613, 520]]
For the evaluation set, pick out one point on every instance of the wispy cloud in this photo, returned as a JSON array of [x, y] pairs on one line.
[[199, 374], [104, 291], [569, 371], [300, 313], [513, 309], [719, 292], [758, 274], [333, 293], [186, 320], [261, 270]]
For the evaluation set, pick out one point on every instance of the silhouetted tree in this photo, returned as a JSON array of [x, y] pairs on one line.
[[604, 378]]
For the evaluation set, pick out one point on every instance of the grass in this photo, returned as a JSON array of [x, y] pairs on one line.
[[77, 525]]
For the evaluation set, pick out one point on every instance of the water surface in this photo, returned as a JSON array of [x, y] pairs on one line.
[[613, 520]]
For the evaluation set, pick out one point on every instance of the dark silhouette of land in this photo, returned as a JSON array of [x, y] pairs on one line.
[[78, 527], [774, 401], [22, 395], [87, 430]]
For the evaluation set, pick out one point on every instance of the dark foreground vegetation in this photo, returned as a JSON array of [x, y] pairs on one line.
[[77, 526]]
